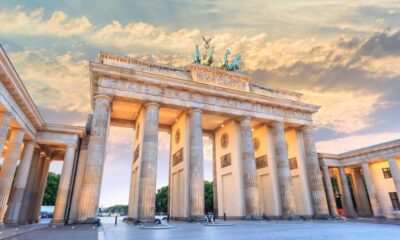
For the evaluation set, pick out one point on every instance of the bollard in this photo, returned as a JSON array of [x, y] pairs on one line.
[[116, 220], [224, 217]]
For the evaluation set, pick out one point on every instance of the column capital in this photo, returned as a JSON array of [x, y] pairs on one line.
[[103, 96], [307, 127], [30, 142], [195, 110], [244, 118], [277, 124], [6, 114], [393, 157], [18, 130], [152, 104], [70, 146]]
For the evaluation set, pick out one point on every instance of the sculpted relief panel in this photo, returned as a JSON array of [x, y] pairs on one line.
[[199, 98]]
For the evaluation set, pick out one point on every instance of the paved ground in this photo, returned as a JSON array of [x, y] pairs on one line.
[[240, 230]]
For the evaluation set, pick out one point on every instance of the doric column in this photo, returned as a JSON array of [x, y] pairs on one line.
[[314, 175], [282, 164], [64, 185], [215, 186], [5, 119], [196, 172], [28, 199], [251, 194], [373, 195], [329, 191], [20, 181], [363, 207], [348, 202], [394, 169], [42, 188], [8, 169], [148, 165], [90, 195], [31, 213]]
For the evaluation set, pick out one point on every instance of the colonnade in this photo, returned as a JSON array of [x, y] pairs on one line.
[[142, 204], [366, 197], [23, 179]]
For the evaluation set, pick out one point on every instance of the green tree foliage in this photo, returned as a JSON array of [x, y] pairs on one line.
[[162, 200], [50, 193], [121, 209], [208, 196]]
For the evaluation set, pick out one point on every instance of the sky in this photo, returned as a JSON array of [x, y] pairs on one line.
[[342, 55]]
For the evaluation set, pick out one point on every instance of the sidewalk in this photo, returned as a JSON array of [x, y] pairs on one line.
[[8, 231]]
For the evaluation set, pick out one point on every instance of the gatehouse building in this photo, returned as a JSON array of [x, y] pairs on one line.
[[265, 162]]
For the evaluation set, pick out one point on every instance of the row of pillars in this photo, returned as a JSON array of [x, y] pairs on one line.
[[89, 201], [22, 189], [347, 202]]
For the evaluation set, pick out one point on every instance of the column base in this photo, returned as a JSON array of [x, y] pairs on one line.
[[57, 222], [196, 219], [253, 217], [88, 221], [322, 216]]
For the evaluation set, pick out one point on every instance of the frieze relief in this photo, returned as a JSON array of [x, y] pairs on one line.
[[177, 157], [201, 98]]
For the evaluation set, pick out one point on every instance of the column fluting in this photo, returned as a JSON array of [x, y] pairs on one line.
[[284, 175], [394, 169], [7, 172], [196, 171], [372, 194], [251, 193], [348, 202], [20, 182], [329, 191], [364, 207], [42, 188], [314, 175], [5, 119], [148, 165], [64, 185], [28, 199], [91, 186]]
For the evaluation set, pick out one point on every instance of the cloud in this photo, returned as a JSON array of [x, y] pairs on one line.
[[17, 21], [56, 82], [354, 142], [328, 71], [344, 111], [143, 34]]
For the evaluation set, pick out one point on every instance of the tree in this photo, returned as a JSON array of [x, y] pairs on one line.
[[121, 209], [162, 200], [50, 193], [208, 196]]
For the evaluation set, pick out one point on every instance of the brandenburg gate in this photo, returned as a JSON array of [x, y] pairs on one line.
[[264, 157], [265, 162]]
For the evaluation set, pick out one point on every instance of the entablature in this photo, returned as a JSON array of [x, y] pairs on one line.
[[369, 154], [120, 82]]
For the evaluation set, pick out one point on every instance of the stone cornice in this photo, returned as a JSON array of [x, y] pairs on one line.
[[125, 61], [18, 101], [100, 70], [108, 55], [67, 129], [13, 82], [371, 153]]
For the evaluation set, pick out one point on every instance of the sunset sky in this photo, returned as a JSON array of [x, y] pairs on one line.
[[342, 56]]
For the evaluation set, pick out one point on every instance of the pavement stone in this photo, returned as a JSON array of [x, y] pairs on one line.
[[265, 230]]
